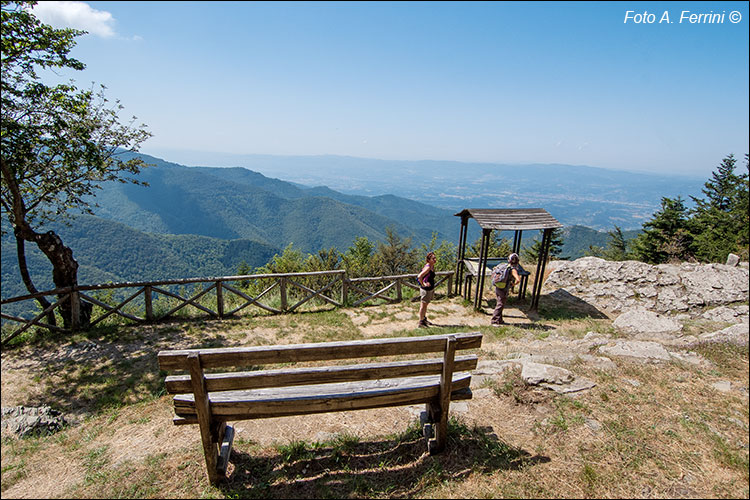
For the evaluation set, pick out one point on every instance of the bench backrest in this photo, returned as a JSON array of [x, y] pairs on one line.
[[251, 357]]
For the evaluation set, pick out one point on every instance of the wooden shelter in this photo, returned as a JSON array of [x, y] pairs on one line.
[[504, 219]]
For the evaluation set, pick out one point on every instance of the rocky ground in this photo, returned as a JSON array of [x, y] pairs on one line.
[[657, 315]]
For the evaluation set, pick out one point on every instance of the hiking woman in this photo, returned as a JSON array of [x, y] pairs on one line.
[[426, 279], [502, 288]]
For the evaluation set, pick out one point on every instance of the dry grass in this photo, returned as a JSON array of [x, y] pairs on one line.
[[645, 430]]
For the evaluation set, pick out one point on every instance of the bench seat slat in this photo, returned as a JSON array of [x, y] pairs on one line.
[[302, 400], [457, 395], [321, 351], [177, 384]]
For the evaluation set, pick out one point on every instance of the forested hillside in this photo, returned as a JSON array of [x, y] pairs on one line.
[[237, 203], [109, 251]]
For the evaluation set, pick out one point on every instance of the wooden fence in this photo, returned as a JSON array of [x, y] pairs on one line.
[[219, 297]]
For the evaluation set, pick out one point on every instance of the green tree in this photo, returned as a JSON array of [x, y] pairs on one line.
[[531, 253], [721, 218], [667, 237], [499, 247], [445, 252], [324, 260], [395, 256], [291, 260], [358, 258], [617, 246], [59, 143]]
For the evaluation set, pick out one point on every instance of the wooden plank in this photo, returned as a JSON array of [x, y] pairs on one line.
[[115, 309], [215, 382], [313, 293], [252, 300], [378, 294], [303, 400], [444, 399], [35, 320], [190, 301], [249, 356], [224, 450], [456, 395], [203, 412]]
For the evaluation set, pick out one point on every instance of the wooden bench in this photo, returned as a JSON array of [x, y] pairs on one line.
[[211, 399]]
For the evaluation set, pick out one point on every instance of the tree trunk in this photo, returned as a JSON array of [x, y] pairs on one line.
[[24, 270], [64, 273]]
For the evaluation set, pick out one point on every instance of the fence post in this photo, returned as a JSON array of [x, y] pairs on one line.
[[344, 288], [149, 305], [398, 289], [219, 300], [282, 291], [450, 283], [75, 310]]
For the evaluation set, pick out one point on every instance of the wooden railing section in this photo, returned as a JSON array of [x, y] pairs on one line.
[[281, 293]]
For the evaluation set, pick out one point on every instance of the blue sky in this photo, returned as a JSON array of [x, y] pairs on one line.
[[491, 82]]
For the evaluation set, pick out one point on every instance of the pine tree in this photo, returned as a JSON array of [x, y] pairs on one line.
[[617, 246], [667, 237], [531, 254], [721, 219]]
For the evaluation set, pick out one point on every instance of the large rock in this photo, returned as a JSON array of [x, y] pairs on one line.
[[665, 288], [537, 373], [646, 351], [640, 320], [735, 334], [24, 421]]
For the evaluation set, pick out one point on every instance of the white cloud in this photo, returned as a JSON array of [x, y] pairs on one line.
[[76, 15]]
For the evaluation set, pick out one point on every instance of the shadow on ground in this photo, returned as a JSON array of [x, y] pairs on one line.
[[397, 468]]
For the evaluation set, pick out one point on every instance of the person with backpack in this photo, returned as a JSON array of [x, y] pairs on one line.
[[426, 279], [504, 277]]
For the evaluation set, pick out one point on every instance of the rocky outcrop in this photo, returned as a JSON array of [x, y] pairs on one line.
[[25, 421], [666, 288]]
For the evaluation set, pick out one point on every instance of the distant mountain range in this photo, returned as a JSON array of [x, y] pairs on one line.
[[575, 195], [205, 221]]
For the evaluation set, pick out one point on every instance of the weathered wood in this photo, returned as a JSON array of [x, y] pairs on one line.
[[282, 293], [304, 400], [444, 400], [249, 356], [313, 294], [212, 399], [225, 448], [190, 301], [232, 381], [148, 302], [219, 299], [35, 320], [252, 300], [184, 281], [378, 294], [112, 310], [456, 395], [203, 412], [75, 311]]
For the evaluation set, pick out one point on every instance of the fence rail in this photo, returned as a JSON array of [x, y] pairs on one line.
[[218, 297]]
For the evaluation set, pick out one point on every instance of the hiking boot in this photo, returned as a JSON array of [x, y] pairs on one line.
[[429, 323], [422, 323]]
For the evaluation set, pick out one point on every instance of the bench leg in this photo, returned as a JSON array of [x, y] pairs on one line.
[[225, 441], [436, 432], [209, 429]]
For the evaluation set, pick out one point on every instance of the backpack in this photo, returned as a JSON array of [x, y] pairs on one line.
[[501, 275]]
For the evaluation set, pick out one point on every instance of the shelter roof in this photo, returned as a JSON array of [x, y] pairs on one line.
[[511, 219]]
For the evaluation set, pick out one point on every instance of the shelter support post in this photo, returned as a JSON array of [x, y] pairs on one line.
[[461, 253]]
